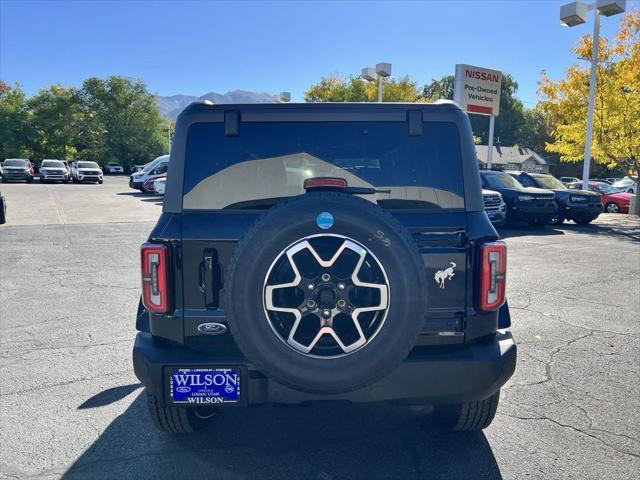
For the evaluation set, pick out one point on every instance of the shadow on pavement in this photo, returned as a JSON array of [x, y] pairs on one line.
[[109, 396], [526, 230], [323, 442], [629, 227]]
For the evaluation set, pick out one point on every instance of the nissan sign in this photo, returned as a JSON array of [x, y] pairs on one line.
[[477, 90]]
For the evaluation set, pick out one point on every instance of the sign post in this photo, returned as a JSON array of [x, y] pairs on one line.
[[477, 90]]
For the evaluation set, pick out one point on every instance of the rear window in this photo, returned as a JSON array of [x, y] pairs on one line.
[[270, 161], [15, 163]]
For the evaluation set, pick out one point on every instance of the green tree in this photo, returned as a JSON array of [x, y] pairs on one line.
[[56, 115], [122, 121], [616, 124], [507, 125], [14, 122], [535, 131], [355, 89]]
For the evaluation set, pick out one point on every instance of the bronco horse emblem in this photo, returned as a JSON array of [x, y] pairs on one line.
[[445, 274]]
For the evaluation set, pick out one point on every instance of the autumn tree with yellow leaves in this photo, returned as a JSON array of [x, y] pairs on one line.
[[616, 127]]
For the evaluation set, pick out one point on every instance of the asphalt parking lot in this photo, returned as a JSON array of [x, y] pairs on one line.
[[71, 407]]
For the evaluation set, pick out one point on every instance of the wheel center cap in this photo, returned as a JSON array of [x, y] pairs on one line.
[[326, 298]]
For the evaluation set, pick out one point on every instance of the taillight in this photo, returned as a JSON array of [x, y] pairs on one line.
[[155, 277], [493, 275]]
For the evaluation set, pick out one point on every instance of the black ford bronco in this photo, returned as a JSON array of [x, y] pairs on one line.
[[318, 252]]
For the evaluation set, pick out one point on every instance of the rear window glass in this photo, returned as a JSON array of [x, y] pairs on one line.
[[270, 161], [15, 163]]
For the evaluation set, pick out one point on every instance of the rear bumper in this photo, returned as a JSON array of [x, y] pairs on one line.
[[428, 375]]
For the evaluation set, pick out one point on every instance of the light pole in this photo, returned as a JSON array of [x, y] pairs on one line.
[[381, 71], [576, 13]]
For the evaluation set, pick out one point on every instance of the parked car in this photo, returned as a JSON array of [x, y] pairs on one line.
[[627, 184], [581, 206], [17, 169], [326, 295], [613, 199], [0, 169], [87, 172], [603, 180], [150, 185], [3, 209], [159, 185], [568, 180], [151, 170], [612, 180], [113, 168], [53, 171], [535, 206], [495, 207]]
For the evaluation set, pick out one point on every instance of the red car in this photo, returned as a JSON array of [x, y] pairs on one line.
[[614, 200]]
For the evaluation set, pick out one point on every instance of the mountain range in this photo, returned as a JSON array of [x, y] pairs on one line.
[[170, 107]]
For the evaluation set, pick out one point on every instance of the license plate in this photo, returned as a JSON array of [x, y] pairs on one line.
[[492, 214], [205, 386]]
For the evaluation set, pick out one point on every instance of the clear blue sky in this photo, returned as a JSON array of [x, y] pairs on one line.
[[197, 47]]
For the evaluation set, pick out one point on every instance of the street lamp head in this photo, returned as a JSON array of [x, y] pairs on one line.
[[383, 69], [573, 14], [369, 74], [610, 7], [285, 97]]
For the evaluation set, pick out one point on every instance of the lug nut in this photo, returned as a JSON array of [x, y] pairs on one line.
[[311, 286], [326, 313], [311, 304], [342, 303], [326, 277]]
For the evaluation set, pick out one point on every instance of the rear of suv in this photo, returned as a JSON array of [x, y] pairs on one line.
[[323, 252]]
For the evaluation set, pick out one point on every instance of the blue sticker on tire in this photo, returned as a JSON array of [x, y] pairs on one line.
[[324, 220], [205, 386]]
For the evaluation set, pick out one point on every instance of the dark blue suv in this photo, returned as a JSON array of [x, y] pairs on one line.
[[323, 252]]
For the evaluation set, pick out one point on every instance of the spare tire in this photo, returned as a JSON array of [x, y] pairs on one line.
[[326, 293]]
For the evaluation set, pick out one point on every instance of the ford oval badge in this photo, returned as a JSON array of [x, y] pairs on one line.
[[212, 328]]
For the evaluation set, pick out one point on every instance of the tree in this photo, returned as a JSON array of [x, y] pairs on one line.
[[507, 125], [14, 122], [535, 131], [56, 115], [356, 89], [122, 121], [616, 134]]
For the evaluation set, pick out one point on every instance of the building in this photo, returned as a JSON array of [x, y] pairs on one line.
[[512, 158]]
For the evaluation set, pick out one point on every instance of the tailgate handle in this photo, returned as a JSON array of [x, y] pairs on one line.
[[206, 278]]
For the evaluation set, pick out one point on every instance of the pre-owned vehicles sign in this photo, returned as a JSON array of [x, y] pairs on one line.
[[477, 90]]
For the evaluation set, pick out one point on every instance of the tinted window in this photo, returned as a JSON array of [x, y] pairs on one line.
[[52, 163], [499, 180], [547, 181], [15, 163], [270, 161], [526, 181], [87, 165]]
